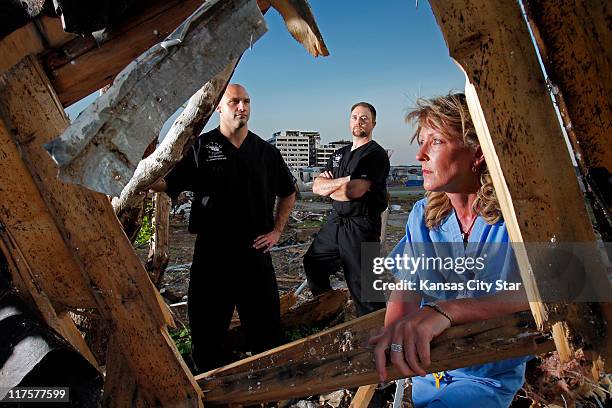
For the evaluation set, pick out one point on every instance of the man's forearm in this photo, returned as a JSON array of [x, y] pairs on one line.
[[324, 186], [283, 209], [352, 190]]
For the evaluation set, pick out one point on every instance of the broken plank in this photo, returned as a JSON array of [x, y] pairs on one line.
[[339, 358], [518, 129], [300, 22], [121, 389], [123, 292], [158, 251], [363, 396], [103, 146], [29, 290], [576, 38], [82, 66], [318, 311], [334, 340], [25, 217], [32, 38]]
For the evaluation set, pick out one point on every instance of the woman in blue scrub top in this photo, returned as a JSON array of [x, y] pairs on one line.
[[459, 218]]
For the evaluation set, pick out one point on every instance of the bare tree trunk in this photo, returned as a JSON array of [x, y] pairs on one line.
[[131, 218]]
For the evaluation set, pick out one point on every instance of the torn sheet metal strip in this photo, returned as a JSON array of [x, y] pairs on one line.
[[398, 398], [103, 146]]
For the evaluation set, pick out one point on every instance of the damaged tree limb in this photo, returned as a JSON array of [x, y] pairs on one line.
[[102, 147], [200, 107], [181, 136], [339, 358]]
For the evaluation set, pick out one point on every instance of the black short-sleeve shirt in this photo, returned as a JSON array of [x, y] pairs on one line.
[[235, 189], [368, 162]]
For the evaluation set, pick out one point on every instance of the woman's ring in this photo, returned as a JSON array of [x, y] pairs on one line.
[[396, 347]]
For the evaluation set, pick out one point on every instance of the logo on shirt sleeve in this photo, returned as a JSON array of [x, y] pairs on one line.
[[336, 160], [214, 152]]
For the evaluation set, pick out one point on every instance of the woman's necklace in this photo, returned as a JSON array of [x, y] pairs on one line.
[[465, 235]]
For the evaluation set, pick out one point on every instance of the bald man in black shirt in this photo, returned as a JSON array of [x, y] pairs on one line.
[[236, 178], [355, 178]]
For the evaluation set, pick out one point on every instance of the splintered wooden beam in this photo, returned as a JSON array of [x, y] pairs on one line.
[[29, 290], [533, 176], [158, 250], [33, 38], [576, 42], [83, 65], [80, 65], [300, 22], [102, 147], [29, 228], [339, 358], [574, 39], [318, 311], [363, 396], [31, 115]]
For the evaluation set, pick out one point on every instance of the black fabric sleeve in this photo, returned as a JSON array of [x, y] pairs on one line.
[[374, 167], [182, 177], [285, 182]]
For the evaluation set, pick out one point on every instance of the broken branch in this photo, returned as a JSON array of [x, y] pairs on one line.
[[180, 137]]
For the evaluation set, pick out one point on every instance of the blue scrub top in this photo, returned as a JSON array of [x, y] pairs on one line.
[[492, 384]]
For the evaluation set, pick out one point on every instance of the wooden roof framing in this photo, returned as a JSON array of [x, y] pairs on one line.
[[67, 250]]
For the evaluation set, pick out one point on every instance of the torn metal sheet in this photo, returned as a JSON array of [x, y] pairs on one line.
[[32, 354], [103, 146]]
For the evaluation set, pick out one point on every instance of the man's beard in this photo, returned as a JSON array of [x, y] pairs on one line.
[[359, 132], [241, 122]]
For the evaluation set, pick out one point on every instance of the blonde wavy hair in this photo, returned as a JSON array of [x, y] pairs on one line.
[[450, 115]]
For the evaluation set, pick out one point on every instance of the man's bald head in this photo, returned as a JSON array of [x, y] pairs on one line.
[[233, 89], [235, 107]]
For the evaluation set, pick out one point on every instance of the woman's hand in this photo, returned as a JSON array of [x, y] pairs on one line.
[[414, 334]]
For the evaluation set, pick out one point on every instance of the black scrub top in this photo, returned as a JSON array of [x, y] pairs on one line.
[[235, 189], [368, 162]]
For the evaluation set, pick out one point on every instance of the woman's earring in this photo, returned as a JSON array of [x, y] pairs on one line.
[[474, 168]]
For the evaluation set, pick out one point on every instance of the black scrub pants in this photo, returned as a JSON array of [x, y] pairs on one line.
[[338, 243], [225, 275]]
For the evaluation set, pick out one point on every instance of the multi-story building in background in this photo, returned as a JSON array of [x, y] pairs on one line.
[[303, 149], [314, 139], [325, 151], [294, 147]]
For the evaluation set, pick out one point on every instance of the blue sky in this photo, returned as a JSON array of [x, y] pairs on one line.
[[387, 53]]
